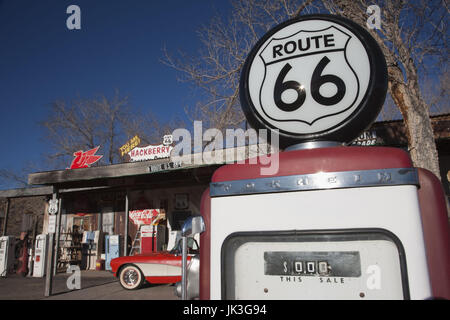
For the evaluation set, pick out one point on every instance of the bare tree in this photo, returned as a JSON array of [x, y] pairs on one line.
[[85, 124], [217, 67], [149, 128], [12, 178], [412, 37], [437, 93], [18, 177]]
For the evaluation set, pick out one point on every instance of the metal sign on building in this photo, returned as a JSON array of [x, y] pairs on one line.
[[130, 145], [152, 152], [53, 206], [84, 159]]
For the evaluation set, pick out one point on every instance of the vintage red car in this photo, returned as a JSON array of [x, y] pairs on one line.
[[157, 267]]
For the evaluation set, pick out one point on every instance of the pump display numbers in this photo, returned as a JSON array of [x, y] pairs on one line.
[[313, 265], [333, 264]]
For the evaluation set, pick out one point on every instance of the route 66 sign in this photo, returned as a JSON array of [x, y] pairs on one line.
[[53, 206], [314, 78], [167, 140]]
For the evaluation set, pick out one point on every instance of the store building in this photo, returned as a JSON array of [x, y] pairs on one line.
[[96, 201], [393, 134]]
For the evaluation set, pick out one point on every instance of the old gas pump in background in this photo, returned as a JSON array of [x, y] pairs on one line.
[[113, 248], [323, 220], [91, 249], [153, 236], [87, 244], [97, 248], [22, 254], [40, 253], [7, 254]]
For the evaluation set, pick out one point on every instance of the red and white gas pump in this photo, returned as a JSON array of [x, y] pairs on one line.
[[7, 255], [152, 233], [152, 238], [332, 222], [40, 255]]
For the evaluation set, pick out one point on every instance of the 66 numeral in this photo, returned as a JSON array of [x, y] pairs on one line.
[[317, 81]]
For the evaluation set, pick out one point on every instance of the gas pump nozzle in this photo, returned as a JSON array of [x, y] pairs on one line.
[[191, 226]]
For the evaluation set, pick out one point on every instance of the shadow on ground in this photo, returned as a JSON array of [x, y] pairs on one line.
[[95, 285]]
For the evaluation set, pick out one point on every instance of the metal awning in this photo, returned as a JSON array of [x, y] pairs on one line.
[[132, 173]]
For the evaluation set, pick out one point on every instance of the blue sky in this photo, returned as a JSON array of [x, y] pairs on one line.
[[119, 46]]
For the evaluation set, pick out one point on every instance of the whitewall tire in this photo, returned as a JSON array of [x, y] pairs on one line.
[[131, 278]]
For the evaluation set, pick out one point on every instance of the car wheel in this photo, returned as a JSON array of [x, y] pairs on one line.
[[130, 277]]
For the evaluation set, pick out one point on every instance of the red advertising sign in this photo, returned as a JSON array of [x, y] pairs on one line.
[[146, 216], [84, 159], [150, 152]]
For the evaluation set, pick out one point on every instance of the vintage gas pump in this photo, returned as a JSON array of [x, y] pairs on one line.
[[97, 248], [153, 235], [152, 238], [113, 247], [7, 254], [331, 222], [40, 254], [88, 259]]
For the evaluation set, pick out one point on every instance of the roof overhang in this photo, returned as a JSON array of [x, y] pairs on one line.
[[188, 167]]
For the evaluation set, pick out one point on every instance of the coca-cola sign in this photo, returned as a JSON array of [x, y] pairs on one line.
[[145, 217]]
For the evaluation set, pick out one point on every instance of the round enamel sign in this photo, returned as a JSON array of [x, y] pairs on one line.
[[314, 78]]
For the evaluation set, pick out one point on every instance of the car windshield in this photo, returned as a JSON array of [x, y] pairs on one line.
[[192, 245]]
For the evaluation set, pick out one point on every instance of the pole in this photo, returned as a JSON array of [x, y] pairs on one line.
[[49, 267], [125, 240], [153, 238], [183, 269], [6, 216], [58, 230]]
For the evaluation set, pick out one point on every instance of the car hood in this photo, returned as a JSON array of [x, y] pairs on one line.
[[156, 257]]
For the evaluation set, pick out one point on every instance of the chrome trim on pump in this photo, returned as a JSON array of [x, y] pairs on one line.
[[314, 145], [317, 181], [191, 226]]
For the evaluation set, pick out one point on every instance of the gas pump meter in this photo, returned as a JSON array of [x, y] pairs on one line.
[[314, 265]]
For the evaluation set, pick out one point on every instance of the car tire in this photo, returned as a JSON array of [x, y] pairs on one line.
[[130, 277]]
